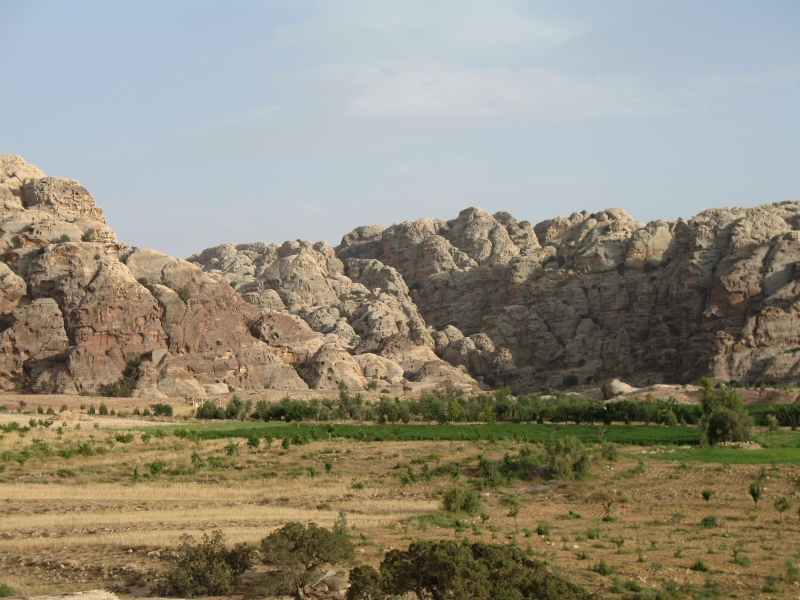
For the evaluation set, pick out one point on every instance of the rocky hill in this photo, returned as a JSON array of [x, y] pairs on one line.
[[479, 301]]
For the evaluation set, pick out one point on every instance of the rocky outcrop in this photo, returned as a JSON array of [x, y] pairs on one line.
[[77, 308], [590, 297], [329, 317], [478, 301]]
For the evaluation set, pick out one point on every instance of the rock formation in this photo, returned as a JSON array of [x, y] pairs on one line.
[[568, 301], [77, 308], [479, 301]]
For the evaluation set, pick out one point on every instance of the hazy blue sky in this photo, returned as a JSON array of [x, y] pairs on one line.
[[197, 123]]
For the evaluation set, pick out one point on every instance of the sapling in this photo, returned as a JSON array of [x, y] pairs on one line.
[[782, 505], [755, 492]]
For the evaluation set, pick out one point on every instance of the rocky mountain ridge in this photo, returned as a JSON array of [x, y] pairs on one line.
[[476, 302]]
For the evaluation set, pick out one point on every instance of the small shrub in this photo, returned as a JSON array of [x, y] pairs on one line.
[[340, 526], [740, 559], [543, 528], [64, 238], [699, 566], [6, 591], [772, 423], [609, 451], [603, 569], [709, 522], [782, 504], [771, 586], [755, 492], [157, 467], [103, 410], [792, 571], [88, 235], [253, 442], [458, 499], [707, 495]]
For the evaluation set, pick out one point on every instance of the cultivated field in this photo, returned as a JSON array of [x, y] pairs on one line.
[[100, 501]]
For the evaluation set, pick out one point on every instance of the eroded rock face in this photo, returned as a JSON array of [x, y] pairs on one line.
[[328, 317], [77, 307], [591, 297], [478, 300]]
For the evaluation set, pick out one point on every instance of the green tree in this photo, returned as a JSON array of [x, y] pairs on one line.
[[724, 417], [206, 568], [299, 552], [459, 571]]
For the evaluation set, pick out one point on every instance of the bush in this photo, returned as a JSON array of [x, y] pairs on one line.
[[709, 522], [459, 570], [772, 423], [103, 410], [6, 591], [206, 568], [609, 451], [299, 553], [458, 499], [567, 458], [161, 410]]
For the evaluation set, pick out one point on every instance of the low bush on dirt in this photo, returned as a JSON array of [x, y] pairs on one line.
[[205, 568]]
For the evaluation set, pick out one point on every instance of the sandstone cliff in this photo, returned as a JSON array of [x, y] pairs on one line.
[[79, 311], [478, 301], [574, 300]]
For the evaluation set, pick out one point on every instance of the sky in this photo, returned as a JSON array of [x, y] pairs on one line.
[[198, 123]]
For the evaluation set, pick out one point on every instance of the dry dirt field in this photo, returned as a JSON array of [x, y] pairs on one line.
[[108, 519]]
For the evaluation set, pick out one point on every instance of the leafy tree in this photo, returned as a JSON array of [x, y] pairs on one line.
[[459, 571], [208, 410], [725, 419], [299, 552], [206, 568]]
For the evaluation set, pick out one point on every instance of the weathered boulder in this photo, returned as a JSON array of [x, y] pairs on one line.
[[331, 365]]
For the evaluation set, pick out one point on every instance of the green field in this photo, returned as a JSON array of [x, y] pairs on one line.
[[733, 456], [779, 447], [640, 435]]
